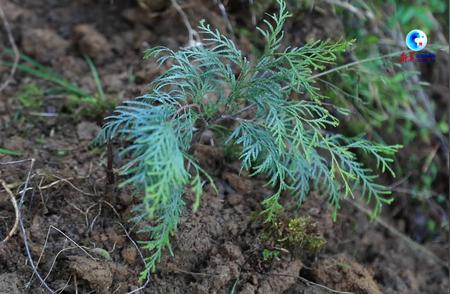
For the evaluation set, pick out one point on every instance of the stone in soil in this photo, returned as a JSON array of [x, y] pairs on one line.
[[98, 274], [43, 44], [343, 274], [87, 130], [92, 43]]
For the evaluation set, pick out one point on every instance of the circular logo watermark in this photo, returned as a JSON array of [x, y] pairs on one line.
[[416, 40]]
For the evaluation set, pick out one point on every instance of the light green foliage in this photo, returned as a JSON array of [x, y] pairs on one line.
[[96, 77], [268, 254], [417, 14], [102, 253], [93, 104], [4, 151], [389, 99], [259, 7], [282, 137], [31, 97], [384, 93]]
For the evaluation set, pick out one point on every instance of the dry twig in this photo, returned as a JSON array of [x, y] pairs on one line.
[[62, 250], [308, 282], [14, 48], [224, 14], [177, 270], [194, 38], [67, 181], [16, 211], [54, 260], [21, 225], [353, 9]]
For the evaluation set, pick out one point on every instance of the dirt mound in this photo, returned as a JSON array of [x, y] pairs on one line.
[[342, 273]]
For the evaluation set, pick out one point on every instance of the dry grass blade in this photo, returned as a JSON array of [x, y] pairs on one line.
[[308, 282], [16, 211], [14, 47], [194, 38], [63, 180]]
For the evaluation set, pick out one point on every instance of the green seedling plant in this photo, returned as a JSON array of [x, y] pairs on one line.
[[93, 103], [4, 151], [269, 255], [30, 97], [274, 113]]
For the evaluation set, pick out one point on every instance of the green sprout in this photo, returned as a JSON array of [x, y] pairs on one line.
[[31, 96]]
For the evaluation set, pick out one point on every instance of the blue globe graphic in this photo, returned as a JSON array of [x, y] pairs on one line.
[[411, 40]]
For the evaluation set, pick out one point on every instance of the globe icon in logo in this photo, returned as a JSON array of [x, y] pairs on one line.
[[416, 40]]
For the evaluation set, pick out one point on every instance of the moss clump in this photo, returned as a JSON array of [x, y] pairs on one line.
[[297, 235], [31, 97]]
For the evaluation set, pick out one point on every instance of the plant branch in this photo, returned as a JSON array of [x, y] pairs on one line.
[[354, 63], [308, 282]]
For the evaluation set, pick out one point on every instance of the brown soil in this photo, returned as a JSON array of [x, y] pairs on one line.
[[77, 226]]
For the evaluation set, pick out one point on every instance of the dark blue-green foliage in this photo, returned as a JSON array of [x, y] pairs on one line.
[[286, 139]]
